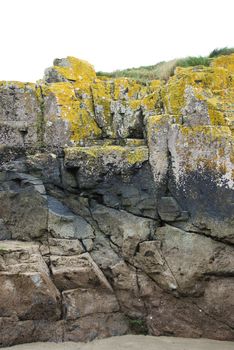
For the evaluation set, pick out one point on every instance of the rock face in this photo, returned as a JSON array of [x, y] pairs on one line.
[[117, 205]]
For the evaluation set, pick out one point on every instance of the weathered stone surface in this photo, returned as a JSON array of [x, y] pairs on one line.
[[125, 281], [23, 208], [20, 114], [4, 233], [150, 259], [95, 163], [104, 253], [195, 111], [45, 166], [29, 296], [191, 257], [65, 246], [116, 205], [219, 289], [70, 69], [172, 316], [168, 209], [157, 134], [77, 271], [99, 326], [21, 257], [27, 292], [125, 230], [201, 158], [83, 302], [62, 223], [13, 331]]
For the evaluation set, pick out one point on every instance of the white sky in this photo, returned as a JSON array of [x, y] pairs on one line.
[[110, 34]]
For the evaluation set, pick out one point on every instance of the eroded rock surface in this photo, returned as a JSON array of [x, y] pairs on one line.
[[117, 205]]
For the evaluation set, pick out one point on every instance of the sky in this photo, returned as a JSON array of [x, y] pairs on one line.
[[110, 34]]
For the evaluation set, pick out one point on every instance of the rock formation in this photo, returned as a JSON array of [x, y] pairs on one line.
[[117, 205]]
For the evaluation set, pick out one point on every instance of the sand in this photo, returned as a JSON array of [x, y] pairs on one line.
[[136, 342]]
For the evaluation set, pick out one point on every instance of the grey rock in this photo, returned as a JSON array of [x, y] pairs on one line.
[[65, 246], [88, 243], [62, 223], [23, 208], [4, 233], [126, 121], [168, 209], [51, 75], [20, 114], [195, 111], [125, 230]]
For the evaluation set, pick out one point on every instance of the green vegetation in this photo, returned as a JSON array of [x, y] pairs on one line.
[[164, 70], [221, 52], [138, 326], [193, 61]]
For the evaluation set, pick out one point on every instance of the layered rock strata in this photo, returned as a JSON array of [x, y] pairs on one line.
[[117, 205]]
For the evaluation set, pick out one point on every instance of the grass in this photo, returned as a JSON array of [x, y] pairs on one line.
[[194, 61], [164, 70], [220, 52]]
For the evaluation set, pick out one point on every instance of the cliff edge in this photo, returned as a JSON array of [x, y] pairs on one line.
[[117, 205]]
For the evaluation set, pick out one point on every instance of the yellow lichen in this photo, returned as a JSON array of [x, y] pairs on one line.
[[133, 142], [17, 85], [77, 110], [77, 69], [87, 100], [130, 155], [211, 132], [224, 61], [150, 102], [102, 96], [232, 156], [213, 85], [129, 87], [137, 155]]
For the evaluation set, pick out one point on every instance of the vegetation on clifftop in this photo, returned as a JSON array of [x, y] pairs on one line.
[[164, 70]]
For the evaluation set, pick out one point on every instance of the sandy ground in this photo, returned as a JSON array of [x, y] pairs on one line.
[[130, 342]]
